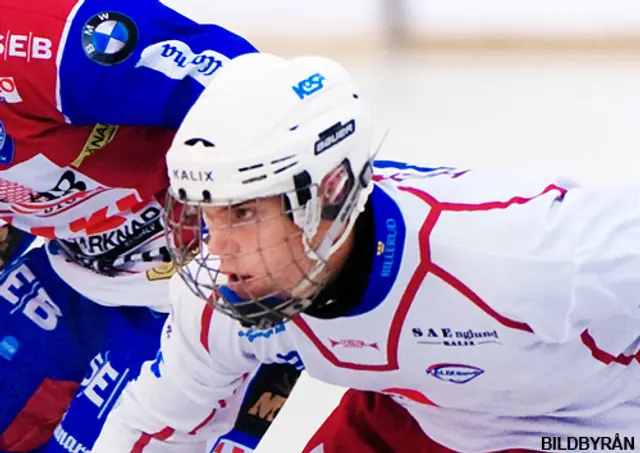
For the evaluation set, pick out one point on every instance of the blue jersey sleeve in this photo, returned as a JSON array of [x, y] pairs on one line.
[[139, 62]]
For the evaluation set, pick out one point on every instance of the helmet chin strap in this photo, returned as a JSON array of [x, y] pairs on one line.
[[334, 238], [359, 195]]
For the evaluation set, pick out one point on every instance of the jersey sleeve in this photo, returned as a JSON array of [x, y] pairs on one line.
[[190, 394], [141, 62]]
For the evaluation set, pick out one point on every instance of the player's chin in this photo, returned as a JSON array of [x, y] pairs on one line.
[[249, 287]]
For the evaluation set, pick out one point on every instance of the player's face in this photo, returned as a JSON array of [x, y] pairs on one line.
[[260, 248]]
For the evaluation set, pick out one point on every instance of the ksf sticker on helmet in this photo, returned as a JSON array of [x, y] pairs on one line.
[[309, 85], [109, 38]]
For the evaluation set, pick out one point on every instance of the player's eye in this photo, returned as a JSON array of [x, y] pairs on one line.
[[243, 213]]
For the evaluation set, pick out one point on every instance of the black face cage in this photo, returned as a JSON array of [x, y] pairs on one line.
[[187, 238]]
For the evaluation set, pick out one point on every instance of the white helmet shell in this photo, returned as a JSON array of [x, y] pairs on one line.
[[261, 121]]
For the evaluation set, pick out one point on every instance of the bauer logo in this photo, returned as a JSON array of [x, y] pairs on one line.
[[454, 372], [334, 135], [176, 60], [309, 86]]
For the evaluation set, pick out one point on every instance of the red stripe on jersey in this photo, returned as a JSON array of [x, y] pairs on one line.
[[145, 438], [412, 287], [604, 356], [401, 313], [204, 423], [458, 207], [453, 281], [473, 297], [205, 326], [427, 266]]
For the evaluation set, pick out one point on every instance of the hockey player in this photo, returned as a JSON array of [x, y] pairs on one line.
[[470, 311], [91, 93]]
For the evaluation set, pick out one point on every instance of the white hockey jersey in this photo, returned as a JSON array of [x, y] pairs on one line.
[[501, 308]]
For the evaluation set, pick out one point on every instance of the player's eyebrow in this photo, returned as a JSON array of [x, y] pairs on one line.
[[243, 204]]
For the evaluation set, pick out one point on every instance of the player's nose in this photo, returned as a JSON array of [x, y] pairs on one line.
[[221, 243]]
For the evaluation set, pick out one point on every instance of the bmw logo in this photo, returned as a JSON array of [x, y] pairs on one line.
[[109, 38]]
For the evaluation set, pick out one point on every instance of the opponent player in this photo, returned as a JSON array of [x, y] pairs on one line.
[[487, 309], [91, 93]]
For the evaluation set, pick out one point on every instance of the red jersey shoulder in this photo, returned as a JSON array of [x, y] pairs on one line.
[[31, 33]]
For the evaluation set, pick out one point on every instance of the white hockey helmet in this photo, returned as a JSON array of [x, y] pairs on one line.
[[265, 127]]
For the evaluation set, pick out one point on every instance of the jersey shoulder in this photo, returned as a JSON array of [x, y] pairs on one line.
[[120, 62], [449, 186], [140, 62]]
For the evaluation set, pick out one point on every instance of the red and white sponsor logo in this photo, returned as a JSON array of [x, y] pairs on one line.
[[353, 344], [409, 394], [227, 446], [9, 91], [29, 47], [68, 202]]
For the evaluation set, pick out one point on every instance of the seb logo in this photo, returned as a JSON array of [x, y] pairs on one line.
[[29, 47], [102, 383], [24, 293], [9, 91]]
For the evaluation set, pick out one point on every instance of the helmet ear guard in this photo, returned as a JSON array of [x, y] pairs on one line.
[[335, 189]]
